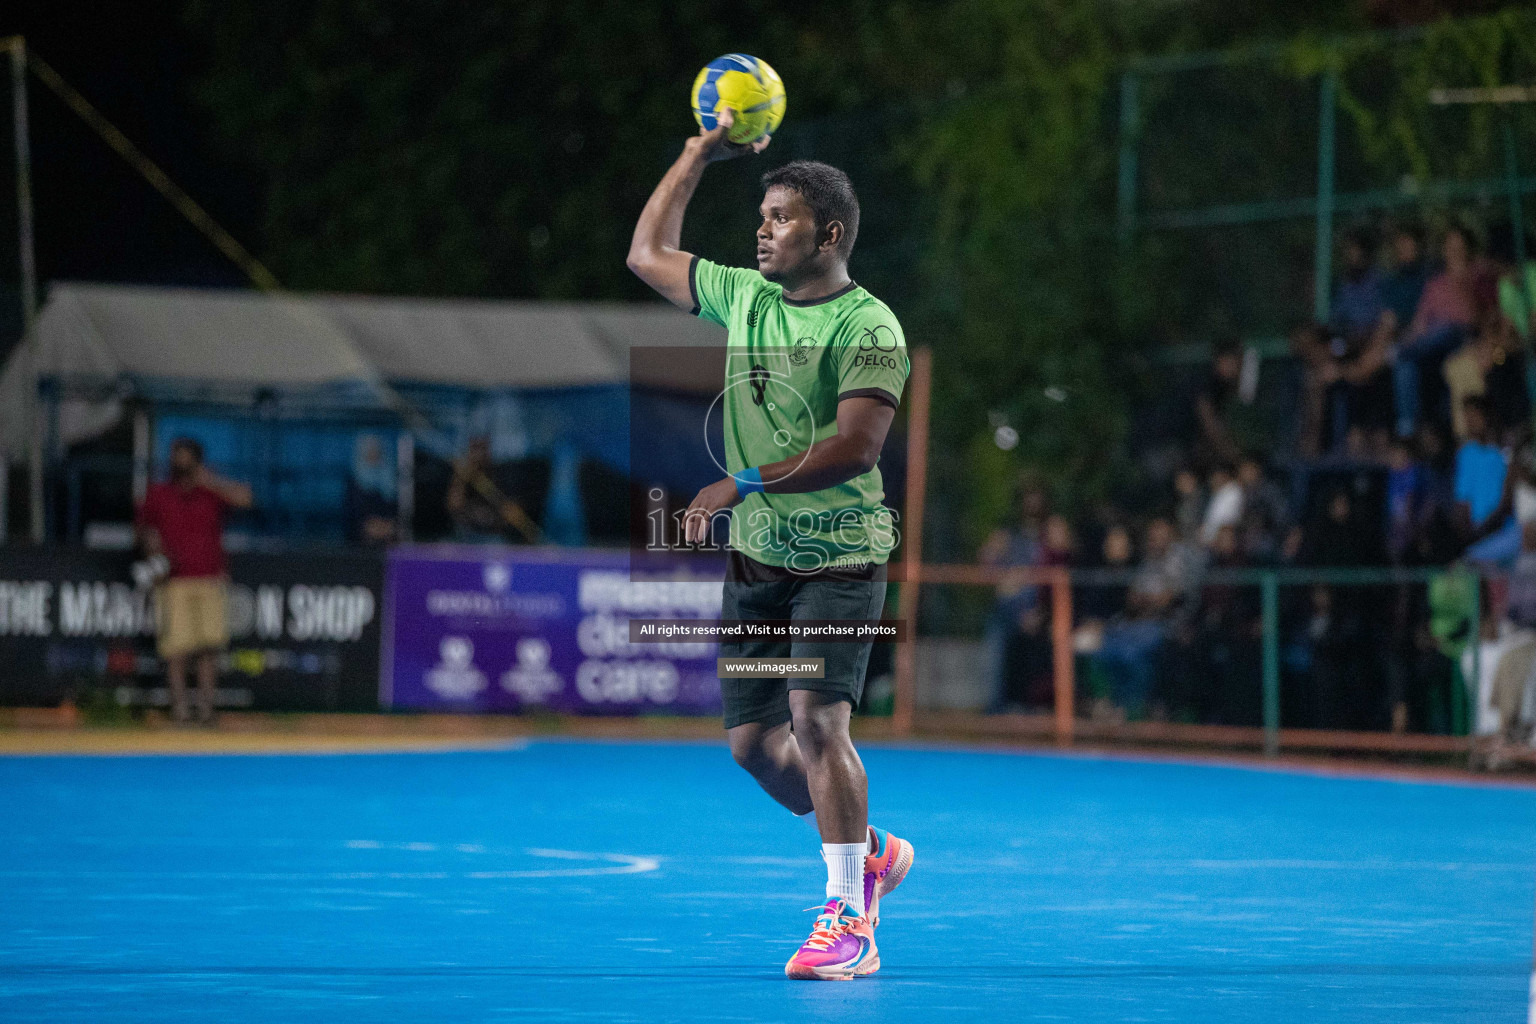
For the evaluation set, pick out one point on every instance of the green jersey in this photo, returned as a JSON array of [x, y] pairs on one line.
[[788, 364]]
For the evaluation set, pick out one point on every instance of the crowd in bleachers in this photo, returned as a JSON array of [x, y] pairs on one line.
[[1410, 446]]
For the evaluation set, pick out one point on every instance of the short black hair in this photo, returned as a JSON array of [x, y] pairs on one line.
[[190, 444], [826, 190]]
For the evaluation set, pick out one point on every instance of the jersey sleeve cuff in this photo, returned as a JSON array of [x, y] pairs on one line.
[[693, 285], [880, 393]]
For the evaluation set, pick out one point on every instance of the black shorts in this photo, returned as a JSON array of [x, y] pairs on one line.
[[754, 591]]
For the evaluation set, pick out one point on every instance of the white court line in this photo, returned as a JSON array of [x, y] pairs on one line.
[[608, 864]]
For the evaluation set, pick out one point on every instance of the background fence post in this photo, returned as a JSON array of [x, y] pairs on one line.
[[1062, 655], [1270, 589], [1130, 120], [1322, 271], [1464, 704]]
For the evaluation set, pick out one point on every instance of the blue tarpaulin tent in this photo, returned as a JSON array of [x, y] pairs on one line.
[[282, 386]]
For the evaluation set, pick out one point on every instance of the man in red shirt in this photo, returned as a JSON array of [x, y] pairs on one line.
[[183, 521]]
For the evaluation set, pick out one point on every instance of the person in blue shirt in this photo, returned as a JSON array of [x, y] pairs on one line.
[[1358, 302], [1400, 289], [1479, 488]]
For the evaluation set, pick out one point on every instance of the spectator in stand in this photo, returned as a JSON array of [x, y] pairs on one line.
[[1226, 505], [1346, 385], [1337, 538], [1513, 691], [1189, 505], [1505, 384], [1518, 495], [1517, 297], [1438, 538], [372, 508], [472, 501], [1309, 347], [1016, 544], [1447, 309], [182, 520], [1216, 442], [1129, 654], [1480, 472], [1012, 547], [1466, 372], [1344, 628], [1266, 515], [1032, 642], [1516, 286], [1018, 638], [1401, 289], [1491, 363], [1337, 641], [1358, 300], [1229, 629], [1407, 487]]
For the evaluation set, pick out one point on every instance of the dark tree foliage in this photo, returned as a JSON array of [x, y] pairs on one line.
[[505, 149]]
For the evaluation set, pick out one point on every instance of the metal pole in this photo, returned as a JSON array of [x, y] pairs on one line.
[[1270, 592], [1130, 115], [24, 230], [141, 449], [405, 484], [1322, 278], [25, 241]]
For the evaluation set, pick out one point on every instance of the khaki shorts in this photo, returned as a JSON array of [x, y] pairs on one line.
[[192, 616]]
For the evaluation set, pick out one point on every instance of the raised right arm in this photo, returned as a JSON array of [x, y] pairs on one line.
[[654, 255]]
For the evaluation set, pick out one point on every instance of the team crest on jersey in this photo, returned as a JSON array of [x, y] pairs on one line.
[[800, 354]]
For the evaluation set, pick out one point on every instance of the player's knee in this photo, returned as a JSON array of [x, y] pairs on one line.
[[820, 730], [749, 749]]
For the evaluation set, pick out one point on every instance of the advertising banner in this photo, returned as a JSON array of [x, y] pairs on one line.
[[304, 630], [497, 629]]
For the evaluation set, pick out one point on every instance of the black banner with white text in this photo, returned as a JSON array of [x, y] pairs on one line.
[[304, 630]]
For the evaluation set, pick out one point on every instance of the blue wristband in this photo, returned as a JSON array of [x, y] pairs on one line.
[[748, 481]]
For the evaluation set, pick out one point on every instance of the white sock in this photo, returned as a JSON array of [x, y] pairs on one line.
[[809, 817], [845, 873]]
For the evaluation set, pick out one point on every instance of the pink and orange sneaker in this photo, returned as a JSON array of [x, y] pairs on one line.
[[884, 870], [841, 947]]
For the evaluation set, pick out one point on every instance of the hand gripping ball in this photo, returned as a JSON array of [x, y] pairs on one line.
[[749, 87]]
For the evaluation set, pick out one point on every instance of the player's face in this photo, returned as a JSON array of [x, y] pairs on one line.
[[786, 239]]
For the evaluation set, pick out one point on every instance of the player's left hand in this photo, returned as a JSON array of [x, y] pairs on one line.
[[716, 497]]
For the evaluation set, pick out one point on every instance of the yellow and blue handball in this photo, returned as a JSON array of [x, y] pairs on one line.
[[749, 87]]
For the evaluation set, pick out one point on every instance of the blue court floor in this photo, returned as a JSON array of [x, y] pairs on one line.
[[611, 882]]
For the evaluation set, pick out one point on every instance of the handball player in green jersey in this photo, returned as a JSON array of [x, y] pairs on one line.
[[814, 373]]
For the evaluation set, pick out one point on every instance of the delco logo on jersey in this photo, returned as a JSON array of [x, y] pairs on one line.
[[874, 344]]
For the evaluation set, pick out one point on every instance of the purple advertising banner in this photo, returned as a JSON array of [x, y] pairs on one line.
[[499, 629]]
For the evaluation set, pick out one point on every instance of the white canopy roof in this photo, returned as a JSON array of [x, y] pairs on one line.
[[233, 337]]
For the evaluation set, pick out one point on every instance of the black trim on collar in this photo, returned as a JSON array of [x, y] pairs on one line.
[[693, 285], [825, 298], [880, 393]]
